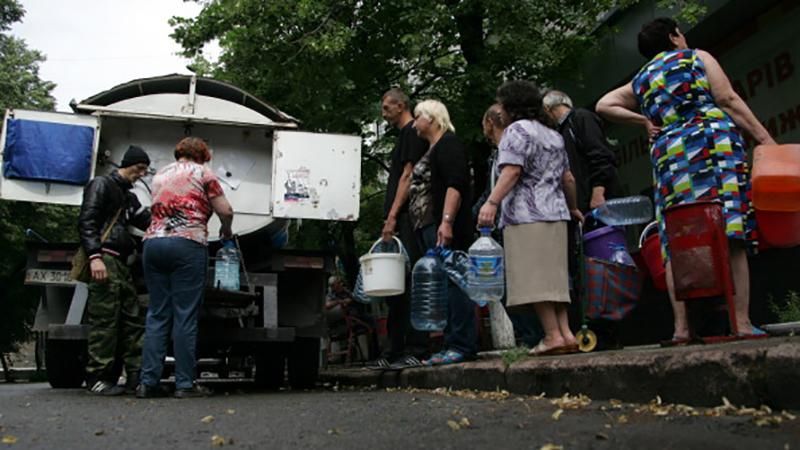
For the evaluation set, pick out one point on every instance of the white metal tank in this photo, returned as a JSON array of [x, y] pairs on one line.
[[268, 170]]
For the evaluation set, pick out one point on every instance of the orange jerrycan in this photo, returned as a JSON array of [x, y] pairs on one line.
[[776, 178]]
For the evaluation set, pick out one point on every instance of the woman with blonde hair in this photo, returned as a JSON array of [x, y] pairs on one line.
[[439, 199]]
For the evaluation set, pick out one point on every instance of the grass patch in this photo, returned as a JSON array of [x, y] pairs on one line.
[[513, 355], [790, 310]]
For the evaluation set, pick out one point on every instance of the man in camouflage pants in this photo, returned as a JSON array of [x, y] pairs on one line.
[[114, 314]]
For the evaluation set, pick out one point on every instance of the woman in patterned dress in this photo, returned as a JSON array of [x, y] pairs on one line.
[[692, 114]]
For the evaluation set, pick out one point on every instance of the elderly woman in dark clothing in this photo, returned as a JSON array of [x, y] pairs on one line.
[[439, 209]]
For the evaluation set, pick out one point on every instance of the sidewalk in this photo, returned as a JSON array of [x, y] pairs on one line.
[[765, 371]]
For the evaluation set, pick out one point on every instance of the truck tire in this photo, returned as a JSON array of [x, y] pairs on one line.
[[303, 362], [270, 367], [65, 361]]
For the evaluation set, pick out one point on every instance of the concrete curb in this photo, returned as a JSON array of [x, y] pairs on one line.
[[747, 372]]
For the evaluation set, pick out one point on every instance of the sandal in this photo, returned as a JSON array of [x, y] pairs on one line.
[[542, 350], [676, 341], [755, 333]]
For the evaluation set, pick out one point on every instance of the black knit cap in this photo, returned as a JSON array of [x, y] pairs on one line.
[[134, 155]]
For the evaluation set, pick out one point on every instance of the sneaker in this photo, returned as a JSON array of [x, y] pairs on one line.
[[131, 383], [435, 359], [379, 364], [195, 391], [406, 363], [144, 391], [106, 388]]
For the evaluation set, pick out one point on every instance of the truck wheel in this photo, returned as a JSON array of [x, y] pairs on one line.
[[270, 367], [304, 363], [65, 361]]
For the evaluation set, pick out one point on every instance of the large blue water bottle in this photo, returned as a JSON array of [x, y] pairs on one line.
[[429, 294], [486, 278], [226, 267]]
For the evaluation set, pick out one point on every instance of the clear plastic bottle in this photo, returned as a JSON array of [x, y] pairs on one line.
[[486, 278], [456, 264], [226, 267], [624, 211], [620, 255], [429, 294]]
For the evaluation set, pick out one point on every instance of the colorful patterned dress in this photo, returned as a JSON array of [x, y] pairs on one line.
[[699, 154]]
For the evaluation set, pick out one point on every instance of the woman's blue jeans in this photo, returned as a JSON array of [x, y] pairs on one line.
[[175, 272], [461, 333]]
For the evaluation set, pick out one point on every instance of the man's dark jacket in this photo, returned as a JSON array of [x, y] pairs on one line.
[[591, 161], [102, 198]]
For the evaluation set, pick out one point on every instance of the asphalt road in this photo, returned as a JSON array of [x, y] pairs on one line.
[[34, 416]]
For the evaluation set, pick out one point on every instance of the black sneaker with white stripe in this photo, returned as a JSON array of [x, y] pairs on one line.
[[407, 362], [106, 388], [379, 364]]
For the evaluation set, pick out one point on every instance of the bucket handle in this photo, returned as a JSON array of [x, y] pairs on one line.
[[646, 232], [399, 245]]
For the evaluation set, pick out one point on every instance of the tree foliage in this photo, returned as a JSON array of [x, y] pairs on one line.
[[21, 87], [328, 61]]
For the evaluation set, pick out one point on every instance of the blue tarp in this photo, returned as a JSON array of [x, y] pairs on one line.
[[47, 151]]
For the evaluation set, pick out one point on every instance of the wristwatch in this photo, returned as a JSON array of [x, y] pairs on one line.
[[447, 218]]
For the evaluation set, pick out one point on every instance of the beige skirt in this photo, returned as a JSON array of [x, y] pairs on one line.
[[536, 263]]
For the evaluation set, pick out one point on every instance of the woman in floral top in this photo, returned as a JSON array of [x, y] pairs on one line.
[[533, 180], [185, 194]]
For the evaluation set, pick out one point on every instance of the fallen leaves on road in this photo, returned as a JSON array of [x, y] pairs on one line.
[[219, 441], [334, 431], [601, 436], [9, 439], [463, 423], [556, 415], [207, 419], [230, 411], [572, 402], [622, 419], [498, 395], [99, 432], [551, 447]]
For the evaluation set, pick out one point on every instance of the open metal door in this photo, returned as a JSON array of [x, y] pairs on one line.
[[47, 157], [316, 176]]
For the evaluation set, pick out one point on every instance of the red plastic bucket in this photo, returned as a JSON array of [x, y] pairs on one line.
[[778, 229], [600, 243], [650, 249], [698, 249]]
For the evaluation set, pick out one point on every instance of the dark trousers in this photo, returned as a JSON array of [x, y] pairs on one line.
[[461, 333], [403, 338], [175, 272]]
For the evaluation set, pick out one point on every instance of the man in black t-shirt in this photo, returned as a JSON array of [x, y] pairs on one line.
[[407, 346]]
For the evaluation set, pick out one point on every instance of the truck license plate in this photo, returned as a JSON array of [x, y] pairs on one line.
[[48, 276]]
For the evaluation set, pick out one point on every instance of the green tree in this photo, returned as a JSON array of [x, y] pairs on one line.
[[328, 61], [21, 87]]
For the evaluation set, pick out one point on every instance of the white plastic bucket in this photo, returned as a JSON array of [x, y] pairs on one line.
[[384, 274]]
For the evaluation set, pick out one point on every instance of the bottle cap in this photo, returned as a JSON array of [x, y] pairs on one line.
[[485, 230], [228, 243]]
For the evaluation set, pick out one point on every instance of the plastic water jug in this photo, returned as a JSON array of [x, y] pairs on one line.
[[776, 178], [429, 294], [624, 211], [456, 264], [226, 267], [486, 271]]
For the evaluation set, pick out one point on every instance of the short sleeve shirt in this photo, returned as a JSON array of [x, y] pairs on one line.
[[182, 193], [538, 195], [408, 149]]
